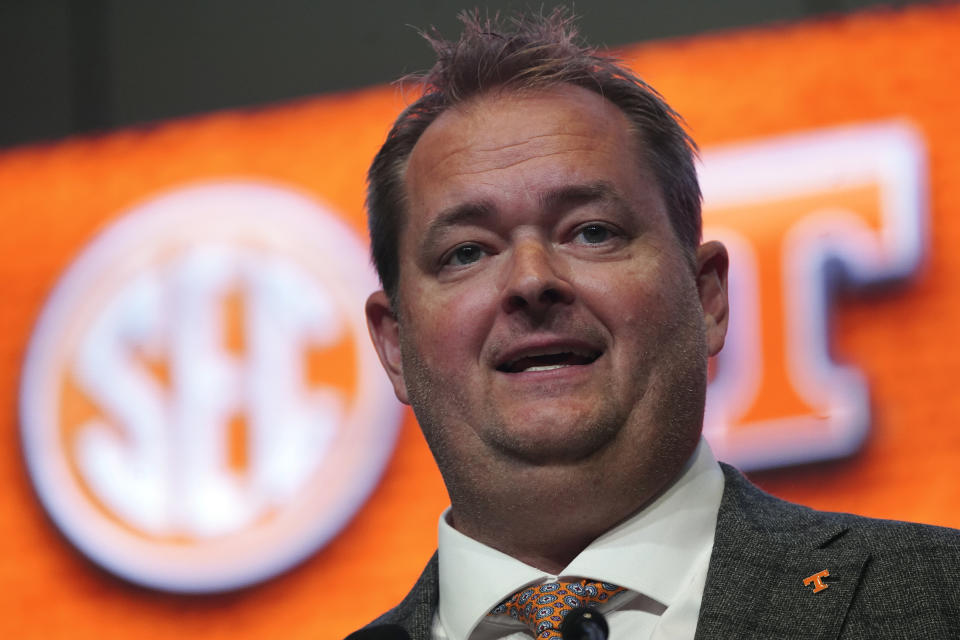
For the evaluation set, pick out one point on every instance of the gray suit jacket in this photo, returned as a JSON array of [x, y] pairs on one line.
[[887, 579]]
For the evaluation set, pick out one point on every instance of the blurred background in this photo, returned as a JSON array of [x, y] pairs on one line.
[[197, 439], [79, 66]]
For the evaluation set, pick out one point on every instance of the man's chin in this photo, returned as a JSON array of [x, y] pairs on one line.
[[549, 442]]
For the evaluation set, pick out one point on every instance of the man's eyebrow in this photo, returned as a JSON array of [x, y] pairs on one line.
[[461, 214], [580, 194]]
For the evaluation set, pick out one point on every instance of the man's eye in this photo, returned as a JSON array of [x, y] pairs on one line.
[[593, 234], [465, 254]]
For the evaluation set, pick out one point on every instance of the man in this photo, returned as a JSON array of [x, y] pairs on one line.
[[548, 310]]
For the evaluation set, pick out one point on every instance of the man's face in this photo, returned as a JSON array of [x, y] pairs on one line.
[[547, 313]]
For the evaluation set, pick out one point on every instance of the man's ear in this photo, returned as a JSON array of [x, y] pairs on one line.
[[385, 333], [712, 263]]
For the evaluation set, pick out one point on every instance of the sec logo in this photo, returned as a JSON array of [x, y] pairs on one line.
[[200, 406]]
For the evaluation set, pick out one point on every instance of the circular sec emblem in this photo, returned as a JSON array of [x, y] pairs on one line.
[[200, 406]]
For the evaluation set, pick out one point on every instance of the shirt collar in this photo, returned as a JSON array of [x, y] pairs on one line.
[[652, 552]]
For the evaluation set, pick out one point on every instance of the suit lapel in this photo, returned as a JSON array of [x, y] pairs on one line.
[[763, 550]]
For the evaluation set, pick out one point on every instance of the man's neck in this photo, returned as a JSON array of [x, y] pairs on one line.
[[544, 520]]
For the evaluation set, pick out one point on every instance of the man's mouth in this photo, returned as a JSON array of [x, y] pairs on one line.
[[549, 360]]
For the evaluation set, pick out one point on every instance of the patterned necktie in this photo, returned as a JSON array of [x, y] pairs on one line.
[[543, 607]]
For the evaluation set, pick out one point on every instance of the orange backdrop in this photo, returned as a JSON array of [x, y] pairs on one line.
[[730, 87]]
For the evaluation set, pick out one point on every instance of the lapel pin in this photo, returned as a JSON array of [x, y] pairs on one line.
[[817, 581]]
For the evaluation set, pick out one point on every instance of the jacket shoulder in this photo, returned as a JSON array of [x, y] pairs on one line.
[[758, 510]]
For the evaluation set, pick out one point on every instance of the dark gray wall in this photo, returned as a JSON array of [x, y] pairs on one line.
[[88, 65]]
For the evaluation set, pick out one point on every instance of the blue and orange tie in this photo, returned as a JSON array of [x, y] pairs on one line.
[[543, 607]]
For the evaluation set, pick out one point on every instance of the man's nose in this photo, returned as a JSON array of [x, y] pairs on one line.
[[536, 280]]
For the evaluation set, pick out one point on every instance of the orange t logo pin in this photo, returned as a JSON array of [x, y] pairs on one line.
[[817, 580]]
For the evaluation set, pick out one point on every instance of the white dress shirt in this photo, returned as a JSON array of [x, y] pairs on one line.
[[660, 555]]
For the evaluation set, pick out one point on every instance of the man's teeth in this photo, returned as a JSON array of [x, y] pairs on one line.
[[548, 361], [546, 367]]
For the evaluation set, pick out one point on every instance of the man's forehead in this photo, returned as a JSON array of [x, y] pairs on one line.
[[501, 129]]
